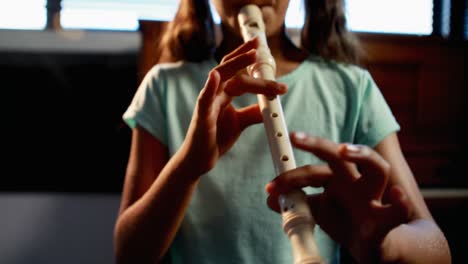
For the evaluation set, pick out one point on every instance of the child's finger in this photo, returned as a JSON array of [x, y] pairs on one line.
[[245, 47], [374, 169], [313, 200], [309, 175], [231, 67], [328, 151], [208, 93], [298, 178], [249, 115], [398, 211], [242, 83], [329, 215], [273, 203], [400, 203]]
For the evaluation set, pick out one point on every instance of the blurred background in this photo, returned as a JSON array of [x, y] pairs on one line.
[[69, 68]]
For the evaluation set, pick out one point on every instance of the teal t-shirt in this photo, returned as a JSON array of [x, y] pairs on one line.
[[228, 220]]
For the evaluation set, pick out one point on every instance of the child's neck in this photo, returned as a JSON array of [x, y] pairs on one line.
[[287, 55]]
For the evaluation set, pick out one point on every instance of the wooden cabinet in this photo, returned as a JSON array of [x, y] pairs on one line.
[[422, 78]]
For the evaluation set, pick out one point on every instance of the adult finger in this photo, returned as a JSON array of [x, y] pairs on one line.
[[374, 169], [245, 47], [242, 83], [327, 151]]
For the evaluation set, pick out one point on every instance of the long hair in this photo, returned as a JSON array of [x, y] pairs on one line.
[[325, 31], [191, 36]]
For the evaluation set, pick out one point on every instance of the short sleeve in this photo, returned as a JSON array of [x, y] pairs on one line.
[[147, 108], [375, 120]]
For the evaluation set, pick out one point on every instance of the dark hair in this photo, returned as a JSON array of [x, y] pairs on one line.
[[190, 35], [324, 32]]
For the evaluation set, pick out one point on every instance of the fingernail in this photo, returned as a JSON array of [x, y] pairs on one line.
[[269, 187], [254, 39], [352, 149], [276, 86], [283, 86], [300, 136], [252, 51]]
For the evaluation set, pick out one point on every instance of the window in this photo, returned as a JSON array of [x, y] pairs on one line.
[[114, 14], [388, 16], [22, 14], [363, 15], [124, 14]]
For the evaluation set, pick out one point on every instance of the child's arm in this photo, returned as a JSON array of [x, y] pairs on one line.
[[157, 189], [420, 240], [155, 195], [370, 204]]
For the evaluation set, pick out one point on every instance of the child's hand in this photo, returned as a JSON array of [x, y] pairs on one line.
[[357, 208], [216, 124]]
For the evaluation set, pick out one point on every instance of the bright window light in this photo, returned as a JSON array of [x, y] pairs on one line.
[[390, 16], [22, 14], [295, 14], [98, 19], [114, 14], [384, 16]]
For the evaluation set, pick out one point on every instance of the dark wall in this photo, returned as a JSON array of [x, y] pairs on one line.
[[62, 120]]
